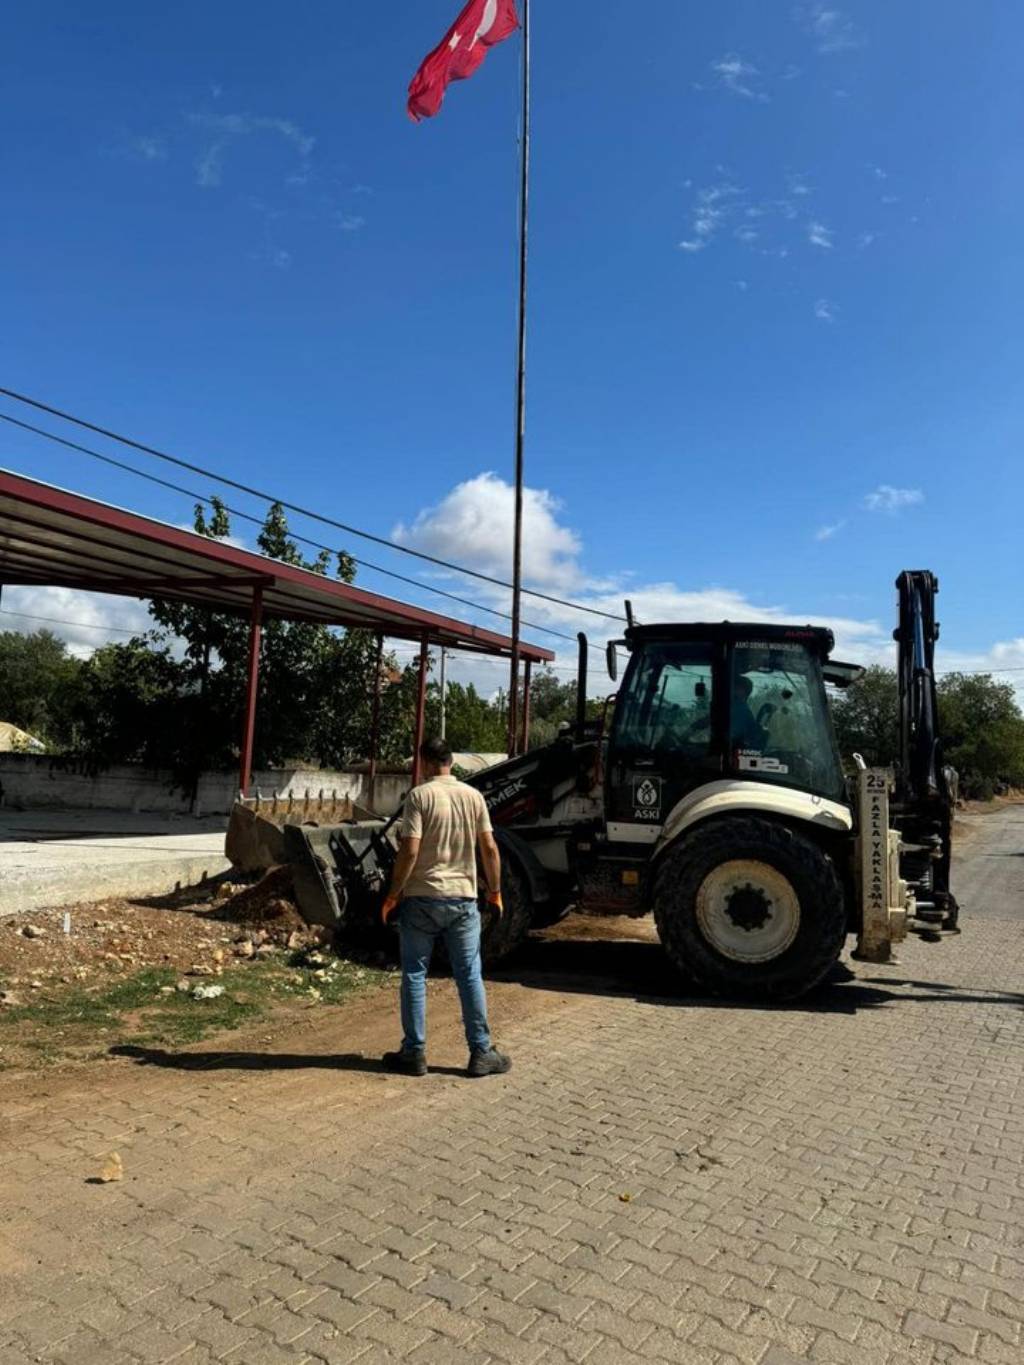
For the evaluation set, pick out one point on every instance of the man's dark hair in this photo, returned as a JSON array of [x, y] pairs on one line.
[[436, 750]]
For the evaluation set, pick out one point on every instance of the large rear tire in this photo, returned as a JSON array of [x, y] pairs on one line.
[[502, 934], [750, 907]]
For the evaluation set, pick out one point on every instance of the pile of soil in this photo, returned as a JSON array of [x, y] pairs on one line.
[[196, 931]]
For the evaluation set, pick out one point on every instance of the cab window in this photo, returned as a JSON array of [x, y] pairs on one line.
[[667, 708], [779, 726]]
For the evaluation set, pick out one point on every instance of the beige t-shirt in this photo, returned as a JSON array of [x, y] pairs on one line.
[[446, 816]]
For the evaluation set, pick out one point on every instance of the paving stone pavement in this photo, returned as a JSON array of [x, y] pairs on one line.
[[657, 1180]]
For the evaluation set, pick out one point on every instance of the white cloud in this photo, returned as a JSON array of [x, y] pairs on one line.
[[891, 500], [350, 222], [473, 525], [739, 77], [825, 311], [829, 26], [827, 532], [819, 235], [85, 620], [224, 129], [712, 205], [866, 239], [147, 148]]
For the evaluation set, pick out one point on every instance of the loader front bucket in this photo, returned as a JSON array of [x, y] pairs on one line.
[[339, 873], [255, 838]]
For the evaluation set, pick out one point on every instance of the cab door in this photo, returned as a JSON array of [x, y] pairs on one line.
[[664, 740]]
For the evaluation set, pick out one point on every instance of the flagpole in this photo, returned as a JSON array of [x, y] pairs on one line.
[[517, 534]]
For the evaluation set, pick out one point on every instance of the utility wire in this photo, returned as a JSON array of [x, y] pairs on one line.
[[74, 625], [294, 507], [414, 654], [247, 516]]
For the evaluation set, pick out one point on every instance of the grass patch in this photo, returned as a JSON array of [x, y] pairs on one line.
[[62, 1022]]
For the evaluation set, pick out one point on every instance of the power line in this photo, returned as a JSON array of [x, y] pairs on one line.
[[294, 507], [74, 625], [414, 654], [247, 516], [456, 656]]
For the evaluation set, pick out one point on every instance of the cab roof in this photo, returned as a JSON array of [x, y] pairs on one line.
[[816, 638]]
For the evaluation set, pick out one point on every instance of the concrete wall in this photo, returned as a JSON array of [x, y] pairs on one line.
[[33, 782]]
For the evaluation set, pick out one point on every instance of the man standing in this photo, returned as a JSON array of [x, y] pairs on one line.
[[434, 890]]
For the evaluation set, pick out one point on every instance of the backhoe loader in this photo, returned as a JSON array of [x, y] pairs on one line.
[[712, 794]]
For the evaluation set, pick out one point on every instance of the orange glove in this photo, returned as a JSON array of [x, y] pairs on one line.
[[494, 901], [389, 907]]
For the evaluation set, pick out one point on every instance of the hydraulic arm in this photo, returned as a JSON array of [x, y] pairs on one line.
[[925, 794]]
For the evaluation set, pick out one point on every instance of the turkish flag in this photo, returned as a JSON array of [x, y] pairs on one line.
[[481, 25]]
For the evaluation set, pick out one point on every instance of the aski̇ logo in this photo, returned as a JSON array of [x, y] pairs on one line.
[[647, 799]]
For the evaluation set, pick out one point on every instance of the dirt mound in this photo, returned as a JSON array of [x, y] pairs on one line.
[[268, 903]]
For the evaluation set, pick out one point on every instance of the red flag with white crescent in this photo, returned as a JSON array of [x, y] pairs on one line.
[[481, 25]]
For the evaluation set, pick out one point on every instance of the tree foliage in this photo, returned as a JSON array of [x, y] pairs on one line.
[[980, 722], [866, 718], [983, 732], [36, 672]]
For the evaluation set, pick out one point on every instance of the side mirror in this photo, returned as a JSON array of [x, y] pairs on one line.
[[613, 660]]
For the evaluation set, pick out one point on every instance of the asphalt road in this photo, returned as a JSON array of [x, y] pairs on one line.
[[988, 875]]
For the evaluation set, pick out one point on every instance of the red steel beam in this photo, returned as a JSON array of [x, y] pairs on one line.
[[251, 685], [150, 537], [375, 715], [421, 712], [525, 741]]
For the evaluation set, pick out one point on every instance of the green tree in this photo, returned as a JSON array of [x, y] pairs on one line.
[[472, 723], [36, 674], [553, 704], [983, 732], [980, 724], [866, 718], [314, 685], [127, 705]]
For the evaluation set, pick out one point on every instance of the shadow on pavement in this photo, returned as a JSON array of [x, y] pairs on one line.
[[263, 1061], [643, 971]]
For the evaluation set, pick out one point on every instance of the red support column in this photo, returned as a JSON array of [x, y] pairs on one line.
[[421, 710], [375, 715], [252, 680], [513, 707], [525, 743]]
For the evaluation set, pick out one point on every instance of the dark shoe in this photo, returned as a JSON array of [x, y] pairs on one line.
[[406, 1063], [489, 1063]]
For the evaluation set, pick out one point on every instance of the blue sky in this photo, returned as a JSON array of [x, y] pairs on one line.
[[776, 272]]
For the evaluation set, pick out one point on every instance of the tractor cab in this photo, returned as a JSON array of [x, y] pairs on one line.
[[715, 703]]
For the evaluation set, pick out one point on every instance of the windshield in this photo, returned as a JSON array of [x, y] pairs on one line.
[[779, 725]]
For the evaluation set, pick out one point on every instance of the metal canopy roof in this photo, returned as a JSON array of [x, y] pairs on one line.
[[50, 537]]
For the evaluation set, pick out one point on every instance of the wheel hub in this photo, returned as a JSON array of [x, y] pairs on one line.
[[748, 907], [748, 911]]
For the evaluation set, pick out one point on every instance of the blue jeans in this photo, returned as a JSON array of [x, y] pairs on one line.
[[420, 921]]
